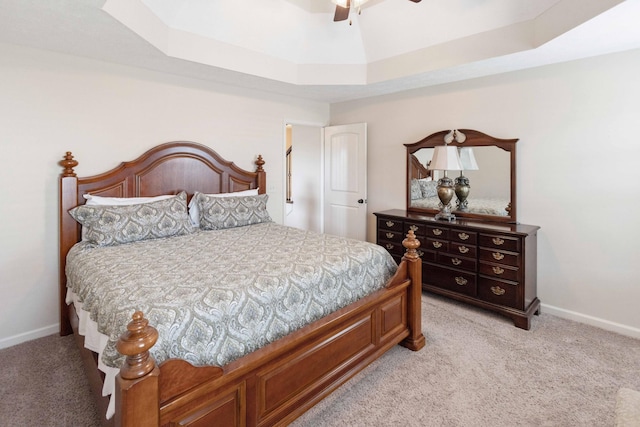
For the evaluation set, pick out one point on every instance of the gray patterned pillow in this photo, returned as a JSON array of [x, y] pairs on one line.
[[416, 192], [115, 225], [428, 187], [217, 213]]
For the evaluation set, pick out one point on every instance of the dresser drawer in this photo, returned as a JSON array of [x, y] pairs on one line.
[[395, 249], [498, 292], [437, 232], [457, 261], [500, 257], [454, 280], [499, 271], [466, 237], [470, 251], [427, 255], [498, 241], [437, 245], [418, 229], [390, 224], [390, 236]]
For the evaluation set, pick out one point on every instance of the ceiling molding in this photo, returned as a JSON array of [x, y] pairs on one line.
[[129, 32]]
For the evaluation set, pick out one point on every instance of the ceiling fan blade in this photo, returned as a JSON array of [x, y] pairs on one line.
[[342, 13]]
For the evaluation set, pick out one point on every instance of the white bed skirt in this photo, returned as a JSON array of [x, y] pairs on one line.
[[96, 342]]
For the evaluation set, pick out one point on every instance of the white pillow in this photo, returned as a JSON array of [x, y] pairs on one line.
[[121, 201], [194, 211]]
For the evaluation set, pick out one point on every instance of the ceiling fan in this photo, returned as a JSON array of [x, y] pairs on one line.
[[343, 8]]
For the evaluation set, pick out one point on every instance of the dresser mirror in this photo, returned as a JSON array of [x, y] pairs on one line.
[[492, 186]]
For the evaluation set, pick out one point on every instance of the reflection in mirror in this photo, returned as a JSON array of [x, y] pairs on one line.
[[491, 186]]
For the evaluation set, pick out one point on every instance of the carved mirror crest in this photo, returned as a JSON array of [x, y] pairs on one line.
[[492, 186]]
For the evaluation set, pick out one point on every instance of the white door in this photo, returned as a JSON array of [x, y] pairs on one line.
[[345, 180]]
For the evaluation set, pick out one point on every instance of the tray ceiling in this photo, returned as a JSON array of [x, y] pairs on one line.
[[293, 47]]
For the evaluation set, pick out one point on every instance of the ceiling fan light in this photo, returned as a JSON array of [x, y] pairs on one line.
[[354, 3]]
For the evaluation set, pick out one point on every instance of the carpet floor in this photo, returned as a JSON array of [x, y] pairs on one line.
[[476, 370]]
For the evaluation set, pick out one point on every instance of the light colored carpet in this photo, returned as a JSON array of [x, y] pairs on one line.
[[479, 370], [627, 408], [476, 370]]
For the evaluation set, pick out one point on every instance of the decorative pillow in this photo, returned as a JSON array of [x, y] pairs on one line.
[[428, 187], [110, 225], [121, 201], [217, 213], [416, 191], [118, 201], [194, 211]]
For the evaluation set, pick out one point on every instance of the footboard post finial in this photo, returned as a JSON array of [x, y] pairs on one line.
[[415, 340], [137, 391], [135, 344], [411, 244]]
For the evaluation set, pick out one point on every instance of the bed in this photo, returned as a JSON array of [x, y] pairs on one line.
[[270, 385]]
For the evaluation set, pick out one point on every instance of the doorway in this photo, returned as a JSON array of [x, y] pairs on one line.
[[326, 179], [303, 177]]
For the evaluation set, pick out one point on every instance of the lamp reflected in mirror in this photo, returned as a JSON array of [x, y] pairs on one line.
[[462, 186], [445, 158]]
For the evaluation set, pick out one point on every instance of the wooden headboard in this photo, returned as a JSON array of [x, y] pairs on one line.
[[418, 170], [166, 169]]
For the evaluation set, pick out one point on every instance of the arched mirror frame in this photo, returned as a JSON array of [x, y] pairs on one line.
[[474, 138]]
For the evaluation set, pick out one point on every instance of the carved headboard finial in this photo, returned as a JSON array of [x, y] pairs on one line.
[[260, 163], [68, 164]]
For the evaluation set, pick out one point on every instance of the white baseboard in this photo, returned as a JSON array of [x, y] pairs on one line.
[[28, 336], [593, 321], [560, 312]]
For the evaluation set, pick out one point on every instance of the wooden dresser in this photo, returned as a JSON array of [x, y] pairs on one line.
[[487, 264]]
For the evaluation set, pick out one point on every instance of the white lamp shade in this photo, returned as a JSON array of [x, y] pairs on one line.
[[445, 157], [468, 159]]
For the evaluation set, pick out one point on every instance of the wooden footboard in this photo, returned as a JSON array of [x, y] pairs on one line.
[[277, 383]]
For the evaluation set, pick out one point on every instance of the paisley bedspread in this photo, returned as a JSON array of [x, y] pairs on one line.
[[215, 296], [485, 206]]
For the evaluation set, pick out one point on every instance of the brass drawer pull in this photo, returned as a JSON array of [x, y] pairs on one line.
[[437, 231], [497, 256], [390, 223], [420, 253], [463, 236], [461, 280], [497, 241], [497, 290], [414, 228], [389, 235], [498, 270], [456, 261], [437, 245], [463, 249], [389, 246]]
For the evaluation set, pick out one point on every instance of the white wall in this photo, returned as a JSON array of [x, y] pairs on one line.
[[104, 114], [578, 177], [578, 173]]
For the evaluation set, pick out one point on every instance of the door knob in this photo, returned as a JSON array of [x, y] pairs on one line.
[[360, 201]]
